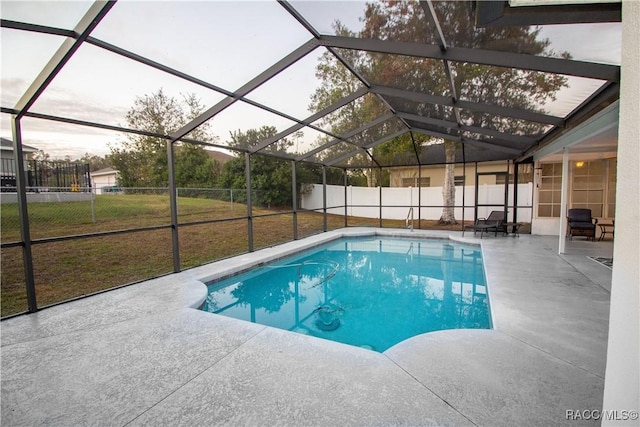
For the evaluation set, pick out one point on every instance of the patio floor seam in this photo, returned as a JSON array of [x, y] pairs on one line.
[[548, 353], [567, 261], [195, 376], [596, 284], [431, 391]]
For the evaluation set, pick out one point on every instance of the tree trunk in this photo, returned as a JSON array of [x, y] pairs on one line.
[[369, 173], [449, 187]]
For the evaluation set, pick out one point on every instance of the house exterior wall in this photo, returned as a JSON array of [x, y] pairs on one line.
[[622, 375], [549, 225], [6, 154], [7, 160], [436, 173]]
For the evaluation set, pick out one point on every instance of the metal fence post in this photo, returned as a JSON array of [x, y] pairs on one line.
[[93, 208]]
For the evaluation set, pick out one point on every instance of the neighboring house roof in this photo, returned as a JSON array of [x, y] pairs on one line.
[[7, 144], [103, 172], [220, 156]]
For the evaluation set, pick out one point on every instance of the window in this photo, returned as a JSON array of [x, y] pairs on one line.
[[587, 190], [611, 189], [413, 182], [525, 173], [593, 186], [408, 182], [550, 190], [500, 179]]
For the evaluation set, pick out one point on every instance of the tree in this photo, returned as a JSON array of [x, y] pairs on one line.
[[270, 177], [195, 168], [41, 156], [142, 160], [403, 21], [95, 162], [338, 82]]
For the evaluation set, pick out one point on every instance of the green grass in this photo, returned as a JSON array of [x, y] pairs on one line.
[[68, 269]]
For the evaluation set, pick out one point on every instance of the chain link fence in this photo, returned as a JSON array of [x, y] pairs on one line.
[[63, 211], [85, 240]]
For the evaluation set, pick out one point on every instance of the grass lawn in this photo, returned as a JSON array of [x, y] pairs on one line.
[[72, 268]]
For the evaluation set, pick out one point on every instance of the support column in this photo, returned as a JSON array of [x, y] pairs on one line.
[[419, 196], [25, 233], [475, 203], [380, 195], [345, 198], [294, 196], [564, 196], [324, 198], [173, 202], [516, 173], [247, 171], [464, 186]]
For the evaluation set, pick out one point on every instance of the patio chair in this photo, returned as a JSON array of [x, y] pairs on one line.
[[581, 223], [494, 222]]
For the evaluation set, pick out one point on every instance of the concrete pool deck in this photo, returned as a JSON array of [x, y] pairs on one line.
[[139, 355]]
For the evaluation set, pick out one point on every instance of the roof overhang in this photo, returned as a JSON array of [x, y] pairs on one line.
[[597, 135], [502, 13]]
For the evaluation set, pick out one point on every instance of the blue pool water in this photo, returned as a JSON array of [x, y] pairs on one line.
[[369, 292]]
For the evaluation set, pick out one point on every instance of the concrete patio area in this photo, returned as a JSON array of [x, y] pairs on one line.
[[141, 355]]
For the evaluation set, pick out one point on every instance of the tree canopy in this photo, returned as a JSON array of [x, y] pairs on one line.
[[405, 21], [142, 160], [271, 178]]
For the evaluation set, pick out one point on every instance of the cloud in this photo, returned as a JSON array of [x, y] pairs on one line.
[[76, 105], [12, 90], [57, 138]]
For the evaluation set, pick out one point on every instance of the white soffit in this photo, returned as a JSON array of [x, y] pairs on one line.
[[597, 134], [520, 3]]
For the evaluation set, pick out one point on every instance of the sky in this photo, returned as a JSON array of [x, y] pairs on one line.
[[223, 43]]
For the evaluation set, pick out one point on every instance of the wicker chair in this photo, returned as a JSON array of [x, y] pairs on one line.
[[581, 223]]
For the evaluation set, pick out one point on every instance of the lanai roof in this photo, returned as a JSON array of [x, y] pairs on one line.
[[438, 109]]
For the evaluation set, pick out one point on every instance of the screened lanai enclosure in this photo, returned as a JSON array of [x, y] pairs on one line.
[[336, 95]]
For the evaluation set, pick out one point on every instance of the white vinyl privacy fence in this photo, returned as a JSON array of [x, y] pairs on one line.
[[396, 201]]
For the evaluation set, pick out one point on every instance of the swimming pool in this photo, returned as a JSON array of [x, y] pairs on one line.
[[372, 292]]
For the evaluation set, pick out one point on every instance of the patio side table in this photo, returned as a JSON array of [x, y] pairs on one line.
[[514, 226], [606, 229]]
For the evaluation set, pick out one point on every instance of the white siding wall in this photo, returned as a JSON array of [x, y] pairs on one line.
[[396, 201], [101, 181], [622, 375]]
